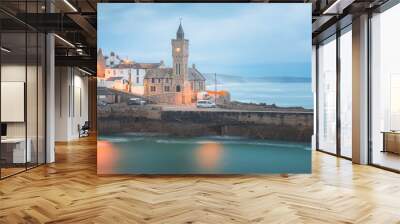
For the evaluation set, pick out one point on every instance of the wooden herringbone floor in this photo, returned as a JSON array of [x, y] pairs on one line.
[[69, 191]]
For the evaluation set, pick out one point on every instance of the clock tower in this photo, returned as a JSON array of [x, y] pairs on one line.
[[180, 55]]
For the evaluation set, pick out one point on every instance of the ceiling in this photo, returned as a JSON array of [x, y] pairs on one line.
[[75, 22]]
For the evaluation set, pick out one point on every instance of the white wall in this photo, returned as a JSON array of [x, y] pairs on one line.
[[61, 103], [71, 103], [137, 75]]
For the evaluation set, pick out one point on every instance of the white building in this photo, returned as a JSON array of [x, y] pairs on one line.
[[119, 76]]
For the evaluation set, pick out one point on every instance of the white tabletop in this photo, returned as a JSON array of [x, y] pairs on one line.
[[12, 140]]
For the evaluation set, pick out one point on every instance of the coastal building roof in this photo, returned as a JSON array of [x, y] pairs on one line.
[[114, 78], [159, 73], [104, 91], [195, 75], [139, 65], [149, 65]]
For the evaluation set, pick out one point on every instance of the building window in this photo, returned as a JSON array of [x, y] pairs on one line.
[[385, 89], [152, 80], [152, 88], [178, 88], [327, 95], [166, 88], [345, 83], [159, 80], [137, 79]]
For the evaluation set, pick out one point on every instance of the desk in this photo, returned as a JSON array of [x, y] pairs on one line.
[[16, 147], [391, 141]]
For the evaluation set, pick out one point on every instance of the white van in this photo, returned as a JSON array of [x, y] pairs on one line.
[[205, 104]]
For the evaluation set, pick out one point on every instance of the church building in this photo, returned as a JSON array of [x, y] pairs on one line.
[[177, 85]]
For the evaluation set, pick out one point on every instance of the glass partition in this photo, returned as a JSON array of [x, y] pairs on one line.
[[385, 89], [346, 93], [327, 95], [22, 92], [14, 153]]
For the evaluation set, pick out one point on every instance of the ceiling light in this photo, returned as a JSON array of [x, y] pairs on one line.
[[70, 5], [5, 50], [338, 6], [86, 72], [64, 40]]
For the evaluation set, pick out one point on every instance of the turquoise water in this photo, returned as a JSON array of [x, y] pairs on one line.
[[154, 154], [285, 94]]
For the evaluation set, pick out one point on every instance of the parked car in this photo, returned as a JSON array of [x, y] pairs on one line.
[[136, 101], [102, 103], [205, 104]]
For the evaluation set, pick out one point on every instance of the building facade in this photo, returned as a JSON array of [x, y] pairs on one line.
[[127, 76], [179, 84]]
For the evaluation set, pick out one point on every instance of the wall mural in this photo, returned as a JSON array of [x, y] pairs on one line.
[[204, 88]]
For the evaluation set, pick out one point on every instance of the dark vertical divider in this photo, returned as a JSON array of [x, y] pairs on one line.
[[338, 74], [25, 89], [1, 53], [317, 96]]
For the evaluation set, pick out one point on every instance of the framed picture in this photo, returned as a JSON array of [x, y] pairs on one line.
[[204, 88]]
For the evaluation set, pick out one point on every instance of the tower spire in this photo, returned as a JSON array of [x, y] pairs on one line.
[[180, 35]]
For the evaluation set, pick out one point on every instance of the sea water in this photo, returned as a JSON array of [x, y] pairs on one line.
[[139, 153], [284, 94]]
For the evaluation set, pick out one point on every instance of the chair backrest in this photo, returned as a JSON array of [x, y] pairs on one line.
[[86, 125]]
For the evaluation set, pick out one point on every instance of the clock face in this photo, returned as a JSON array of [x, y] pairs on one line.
[[177, 49]]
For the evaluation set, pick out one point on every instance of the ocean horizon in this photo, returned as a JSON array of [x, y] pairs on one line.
[[278, 90]]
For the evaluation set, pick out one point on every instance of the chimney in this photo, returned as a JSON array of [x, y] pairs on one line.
[[194, 66]]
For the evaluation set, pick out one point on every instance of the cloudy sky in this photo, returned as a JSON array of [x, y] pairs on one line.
[[236, 39]]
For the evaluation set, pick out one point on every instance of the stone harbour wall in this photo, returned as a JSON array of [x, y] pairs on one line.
[[287, 126]]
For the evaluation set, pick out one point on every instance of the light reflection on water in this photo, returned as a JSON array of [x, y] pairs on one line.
[[107, 157], [151, 154], [209, 154]]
